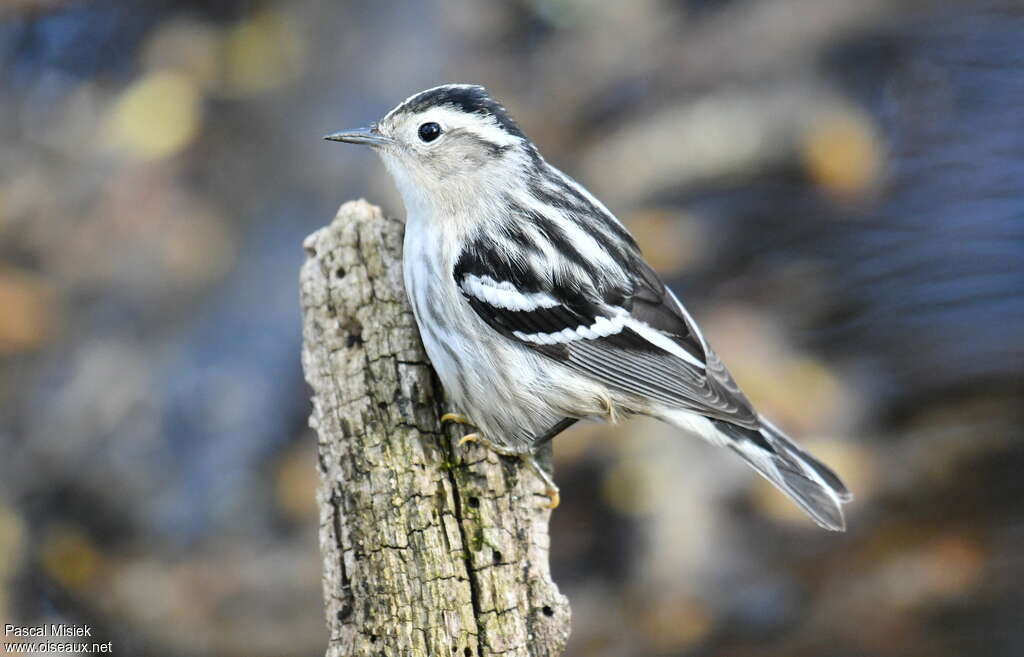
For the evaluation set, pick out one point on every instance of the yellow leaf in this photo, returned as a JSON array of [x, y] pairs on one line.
[[262, 53], [156, 117], [29, 316], [842, 153], [70, 558]]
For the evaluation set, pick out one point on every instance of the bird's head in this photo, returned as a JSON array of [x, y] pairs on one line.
[[447, 144]]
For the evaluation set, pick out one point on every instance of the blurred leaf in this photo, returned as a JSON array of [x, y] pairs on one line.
[[295, 482], [628, 488], [670, 242], [957, 563], [188, 47], [197, 247], [12, 535], [262, 53], [809, 384], [12, 538], [675, 624], [157, 116], [29, 316], [799, 392], [842, 153], [69, 557]]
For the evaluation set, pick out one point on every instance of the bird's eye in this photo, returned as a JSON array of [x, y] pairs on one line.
[[429, 131]]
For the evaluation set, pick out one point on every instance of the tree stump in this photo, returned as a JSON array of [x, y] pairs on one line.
[[428, 549]]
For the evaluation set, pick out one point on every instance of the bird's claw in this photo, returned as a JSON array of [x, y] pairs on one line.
[[554, 498], [469, 438], [457, 418]]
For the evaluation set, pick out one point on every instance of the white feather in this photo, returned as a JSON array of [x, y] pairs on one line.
[[662, 341], [503, 294]]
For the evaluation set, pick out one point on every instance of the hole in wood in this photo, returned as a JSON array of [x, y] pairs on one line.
[[354, 337]]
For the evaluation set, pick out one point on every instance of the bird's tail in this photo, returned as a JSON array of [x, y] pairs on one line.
[[806, 480]]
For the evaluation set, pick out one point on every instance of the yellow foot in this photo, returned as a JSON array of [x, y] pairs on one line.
[[457, 418], [554, 498], [469, 438]]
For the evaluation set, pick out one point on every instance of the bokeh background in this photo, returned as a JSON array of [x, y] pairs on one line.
[[836, 187]]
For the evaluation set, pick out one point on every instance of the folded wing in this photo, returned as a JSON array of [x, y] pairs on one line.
[[635, 337]]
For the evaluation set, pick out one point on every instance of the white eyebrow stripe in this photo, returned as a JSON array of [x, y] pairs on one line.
[[503, 294], [481, 126]]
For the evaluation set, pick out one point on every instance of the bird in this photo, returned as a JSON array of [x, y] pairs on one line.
[[537, 309]]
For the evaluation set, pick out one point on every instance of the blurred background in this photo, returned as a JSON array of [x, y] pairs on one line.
[[834, 186]]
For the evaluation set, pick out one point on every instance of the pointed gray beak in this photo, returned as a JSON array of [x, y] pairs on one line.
[[368, 136]]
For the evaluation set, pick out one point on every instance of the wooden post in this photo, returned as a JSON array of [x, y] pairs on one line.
[[428, 549]]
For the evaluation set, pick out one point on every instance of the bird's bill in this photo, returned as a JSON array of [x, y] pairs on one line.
[[367, 136]]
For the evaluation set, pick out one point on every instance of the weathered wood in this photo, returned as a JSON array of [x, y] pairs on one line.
[[428, 549]]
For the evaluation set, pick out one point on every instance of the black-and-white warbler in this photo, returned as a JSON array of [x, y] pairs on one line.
[[536, 307]]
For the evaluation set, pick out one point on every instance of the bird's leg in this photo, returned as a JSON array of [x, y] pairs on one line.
[[457, 418], [558, 428], [550, 489]]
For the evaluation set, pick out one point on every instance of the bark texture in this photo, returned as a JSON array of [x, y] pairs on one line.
[[428, 549]]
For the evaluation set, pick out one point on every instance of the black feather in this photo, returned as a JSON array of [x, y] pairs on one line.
[[472, 99]]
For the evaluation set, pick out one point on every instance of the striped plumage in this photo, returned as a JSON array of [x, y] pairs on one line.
[[535, 304]]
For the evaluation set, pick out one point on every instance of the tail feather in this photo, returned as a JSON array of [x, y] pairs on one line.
[[825, 472], [806, 480]]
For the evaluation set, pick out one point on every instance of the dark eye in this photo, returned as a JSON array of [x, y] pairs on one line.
[[429, 131]]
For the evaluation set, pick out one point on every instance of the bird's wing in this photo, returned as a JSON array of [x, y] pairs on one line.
[[634, 336]]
